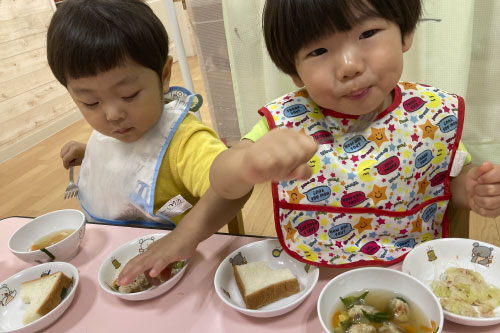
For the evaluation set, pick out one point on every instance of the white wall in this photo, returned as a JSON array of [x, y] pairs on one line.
[[159, 8]]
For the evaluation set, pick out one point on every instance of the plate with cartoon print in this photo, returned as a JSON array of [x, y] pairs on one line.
[[13, 308], [270, 251], [435, 264], [114, 263]]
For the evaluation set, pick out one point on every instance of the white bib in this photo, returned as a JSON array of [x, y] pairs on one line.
[[117, 180]]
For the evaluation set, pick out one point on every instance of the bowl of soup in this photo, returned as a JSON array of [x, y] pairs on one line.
[[55, 236], [375, 299]]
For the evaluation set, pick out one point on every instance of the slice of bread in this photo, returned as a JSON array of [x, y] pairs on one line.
[[260, 285], [43, 295]]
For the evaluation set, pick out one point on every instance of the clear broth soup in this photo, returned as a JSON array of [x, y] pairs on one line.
[[51, 239], [418, 321]]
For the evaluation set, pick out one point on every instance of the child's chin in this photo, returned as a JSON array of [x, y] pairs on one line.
[[128, 137]]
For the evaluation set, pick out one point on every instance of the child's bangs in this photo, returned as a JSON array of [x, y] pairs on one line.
[[326, 17], [86, 38], [95, 54]]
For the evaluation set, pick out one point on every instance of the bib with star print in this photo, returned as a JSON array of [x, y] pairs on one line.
[[374, 194]]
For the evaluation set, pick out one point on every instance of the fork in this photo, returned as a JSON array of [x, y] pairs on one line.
[[72, 189]]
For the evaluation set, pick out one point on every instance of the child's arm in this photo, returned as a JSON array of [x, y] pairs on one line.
[[72, 151], [203, 220], [478, 188], [281, 154]]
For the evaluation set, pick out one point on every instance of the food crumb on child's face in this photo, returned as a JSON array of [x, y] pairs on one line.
[[122, 103], [354, 72]]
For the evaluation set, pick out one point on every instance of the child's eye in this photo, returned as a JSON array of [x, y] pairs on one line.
[[131, 96], [368, 34], [318, 52], [90, 105]]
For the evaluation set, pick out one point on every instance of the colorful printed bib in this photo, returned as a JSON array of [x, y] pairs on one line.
[[117, 180], [374, 194]]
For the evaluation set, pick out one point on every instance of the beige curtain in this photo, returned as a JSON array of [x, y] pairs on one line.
[[455, 48], [460, 54], [256, 80]]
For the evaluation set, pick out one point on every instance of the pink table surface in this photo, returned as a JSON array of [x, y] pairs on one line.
[[191, 306]]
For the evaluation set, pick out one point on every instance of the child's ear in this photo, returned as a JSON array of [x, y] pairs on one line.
[[408, 40], [167, 73], [297, 81]]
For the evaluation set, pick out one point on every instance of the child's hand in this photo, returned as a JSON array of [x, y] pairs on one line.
[[73, 151], [483, 189], [281, 154], [157, 259]]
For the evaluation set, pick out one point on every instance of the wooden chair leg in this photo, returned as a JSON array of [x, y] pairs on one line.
[[235, 226], [458, 220]]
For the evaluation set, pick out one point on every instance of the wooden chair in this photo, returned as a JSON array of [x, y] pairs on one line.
[[235, 226], [458, 220]]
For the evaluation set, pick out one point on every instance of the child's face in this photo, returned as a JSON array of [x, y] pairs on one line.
[[354, 72], [123, 103]]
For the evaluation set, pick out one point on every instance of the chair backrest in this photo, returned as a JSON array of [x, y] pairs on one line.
[[458, 221], [235, 226]]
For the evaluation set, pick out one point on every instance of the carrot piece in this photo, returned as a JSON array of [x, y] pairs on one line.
[[336, 320], [410, 329], [34, 248], [426, 329], [434, 326]]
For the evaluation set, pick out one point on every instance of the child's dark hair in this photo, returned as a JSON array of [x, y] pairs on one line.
[[86, 38], [290, 25]]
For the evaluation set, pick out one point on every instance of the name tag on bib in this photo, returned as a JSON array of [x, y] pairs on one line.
[[175, 206]]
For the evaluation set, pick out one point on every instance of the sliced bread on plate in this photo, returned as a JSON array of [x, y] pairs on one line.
[[260, 285], [43, 295]]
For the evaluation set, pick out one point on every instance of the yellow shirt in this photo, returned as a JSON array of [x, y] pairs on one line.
[[186, 164], [262, 127]]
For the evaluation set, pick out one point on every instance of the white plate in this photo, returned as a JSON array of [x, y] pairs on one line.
[[429, 260], [112, 266], [270, 251], [13, 309]]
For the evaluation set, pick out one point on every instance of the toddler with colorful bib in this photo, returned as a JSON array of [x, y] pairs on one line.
[[363, 165]]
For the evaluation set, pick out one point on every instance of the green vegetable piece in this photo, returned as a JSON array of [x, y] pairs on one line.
[[179, 264], [64, 291], [402, 299], [378, 317], [47, 252], [346, 324], [351, 301]]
